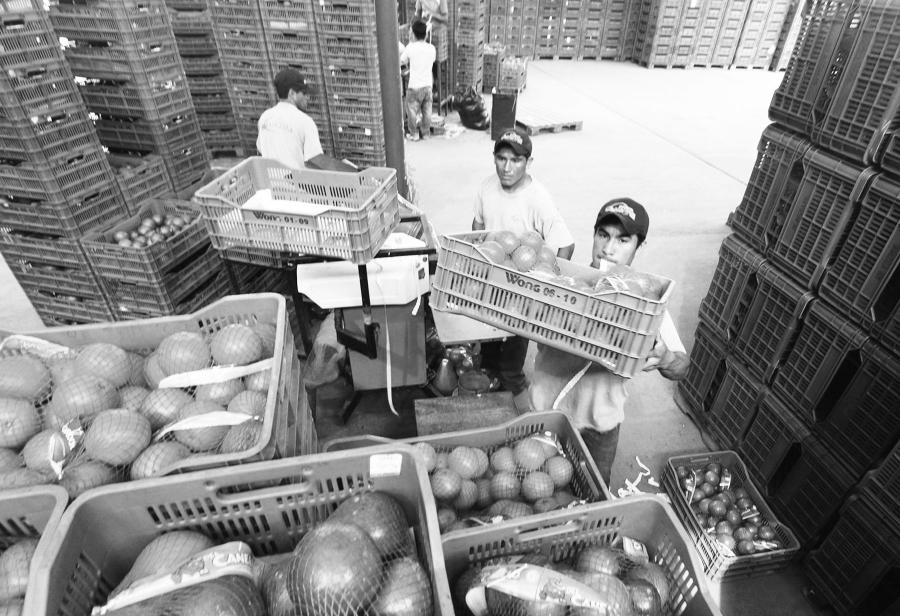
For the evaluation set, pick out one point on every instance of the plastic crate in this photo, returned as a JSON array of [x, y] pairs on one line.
[[616, 330], [862, 281], [87, 308], [190, 22], [176, 132], [718, 562], [31, 90], [122, 62], [734, 406], [356, 212], [825, 38], [771, 323], [40, 179], [345, 80], [701, 385], [854, 569], [204, 65], [346, 49], [212, 103], [110, 22], [297, 50], [732, 288], [269, 506], [212, 84], [762, 30], [804, 483], [235, 15], [134, 303], [163, 98], [197, 45], [851, 117], [352, 17], [773, 184], [559, 535], [141, 178], [882, 486], [187, 166], [889, 159], [817, 216], [77, 214], [63, 132], [48, 263]]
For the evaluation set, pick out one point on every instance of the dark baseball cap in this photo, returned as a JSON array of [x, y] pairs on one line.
[[629, 213], [517, 140], [291, 79]]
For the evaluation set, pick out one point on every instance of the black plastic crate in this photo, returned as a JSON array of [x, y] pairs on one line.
[[56, 136], [855, 568], [202, 66], [50, 263], [773, 183], [197, 45], [79, 213], [734, 406], [39, 87], [122, 62], [191, 22], [213, 288], [221, 141], [864, 280], [74, 281], [821, 50], [215, 121], [208, 84], [803, 482], [350, 17], [882, 486], [54, 308], [707, 370], [40, 179], [888, 332], [174, 132], [889, 159], [187, 166], [771, 322], [141, 178], [817, 216], [111, 22], [212, 103], [851, 118], [165, 96], [732, 288]]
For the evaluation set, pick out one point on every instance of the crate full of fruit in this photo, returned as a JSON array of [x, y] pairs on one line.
[[84, 406], [516, 283], [735, 531], [530, 465], [28, 519], [266, 208], [623, 557], [331, 534]]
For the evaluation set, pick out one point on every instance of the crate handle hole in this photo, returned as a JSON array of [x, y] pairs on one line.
[[839, 383]]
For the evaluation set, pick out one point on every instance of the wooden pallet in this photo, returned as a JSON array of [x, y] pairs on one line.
[[535, 122]]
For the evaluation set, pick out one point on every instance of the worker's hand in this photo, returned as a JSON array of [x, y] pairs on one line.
[[660, 357]]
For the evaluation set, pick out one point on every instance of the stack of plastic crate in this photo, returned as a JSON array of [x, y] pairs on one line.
[[293, 43], [657, 36], [468, 42], [761, 33], [495, 27], [55, 180], [244, 56], [522, 17], [125, 53], [192, 25], [493, 56], [513, 74], [593, 16], [571, 28], [549, 26], [349, 52]]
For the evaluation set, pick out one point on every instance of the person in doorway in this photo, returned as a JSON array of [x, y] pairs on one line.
[[512, 200], [421, 56], [592, 396], [286, 133]]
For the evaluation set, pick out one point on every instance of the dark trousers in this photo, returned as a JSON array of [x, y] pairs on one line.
[[602, 446], [506, 358]]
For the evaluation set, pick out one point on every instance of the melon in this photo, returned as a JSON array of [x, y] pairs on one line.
[[117, 437], [153, 372], [249, 403], [86, 475], [266, 333], [221, 393], [81, 397], [201, 439], [163, 553], [45, 450], [9, 460], [19, 421], [15, 562], [183, 352], [242, 437], [106, 361], [162, 406], [13, 607], [258, 381], [381, 516], [406, 590], [136, 378], [230, 595], [275, 589], [236, 345], [23, 376], [23, 478], [62, 369], [132, 396], [157, 457]]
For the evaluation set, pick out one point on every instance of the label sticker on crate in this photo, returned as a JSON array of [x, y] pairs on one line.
[[544, 291], [385, 465]]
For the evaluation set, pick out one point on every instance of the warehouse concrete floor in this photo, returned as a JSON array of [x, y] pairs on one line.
[[683, 143]]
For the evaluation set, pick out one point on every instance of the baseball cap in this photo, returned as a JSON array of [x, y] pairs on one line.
[[517, 140], [290, 79], [629, 212]]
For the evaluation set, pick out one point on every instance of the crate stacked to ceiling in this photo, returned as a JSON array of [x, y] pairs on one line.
[[520, 24], [468, 20], [124, 54], [763, 26], [549, 24], [244, 56], [796, 362], [55, 180], [348, 47], [194, 32]]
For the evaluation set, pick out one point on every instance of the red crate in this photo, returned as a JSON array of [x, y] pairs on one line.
[[734, 406], [772, 320], [706, 372], [862, 281], [814, 219], [776, 176], [732, 288]]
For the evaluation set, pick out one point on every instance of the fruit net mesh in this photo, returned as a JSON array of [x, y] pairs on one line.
[[233, 595]]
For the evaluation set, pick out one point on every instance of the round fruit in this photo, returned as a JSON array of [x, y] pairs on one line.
[[505, 486], [258, 381], [532, 239], [715, 467], [564, 497], [726, 497], [266, 333], [727, 540], [201, 439], [105, 361], [162, 406], [498, 506], [598, 559], [15, 563], [248, 403], [644, 598], [743, 534], [428, 454], [445, 484], [242, 437], [717, 508], [82, 397], [236, 345], [503, 460], [117, 437], [336, 568], [46, 451], [23, 376], [183, 352], [740, 493], [467, 497], [464, 462], [157, 457], [745, 547], [766, 533], [406, 590], [446, 518], [507, 240], [724, 527], [493, 251], [221, 393], [381, 516], [697, 495], [653, 573], [524, 258], [484, 462], [441, 461], [86, 475], [733, 517], [19, 421], [9, 460], [537, 485], [711, 478], [547, 255], [153, 372], [529, 454], [560, 471], [704, 504], [708, 489], [543, 505], [744, 504]]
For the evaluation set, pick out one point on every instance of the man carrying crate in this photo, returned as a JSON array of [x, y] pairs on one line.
[[512, 200], [592, 396]]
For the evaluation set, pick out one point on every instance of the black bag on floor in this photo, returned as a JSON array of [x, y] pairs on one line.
[[470, 105]]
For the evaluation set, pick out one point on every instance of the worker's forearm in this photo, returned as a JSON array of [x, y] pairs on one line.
[[326, 163], [675, 367]]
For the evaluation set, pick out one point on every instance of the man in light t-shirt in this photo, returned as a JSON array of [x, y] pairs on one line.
[[420, 56], [512, 200], [286, 133]]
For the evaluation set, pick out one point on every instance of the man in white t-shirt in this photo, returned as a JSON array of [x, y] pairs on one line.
[[512, 200], [420, 56], [592, 396], [286, 133]]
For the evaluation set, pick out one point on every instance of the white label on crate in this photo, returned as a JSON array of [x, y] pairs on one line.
[[385, 464], [566, 297]]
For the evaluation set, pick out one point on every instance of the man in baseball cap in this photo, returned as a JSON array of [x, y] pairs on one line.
[[515, 139]]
